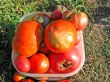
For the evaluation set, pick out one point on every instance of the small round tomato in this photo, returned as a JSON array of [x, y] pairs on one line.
[[64, 81], [27, 80], [60, 36], [39, 63], [28, 37], [22, 63], [79, 20], [18, 77], [56, 14], [65, 62]]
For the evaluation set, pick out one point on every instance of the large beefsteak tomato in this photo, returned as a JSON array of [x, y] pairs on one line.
[[60, 36], [65, 62]]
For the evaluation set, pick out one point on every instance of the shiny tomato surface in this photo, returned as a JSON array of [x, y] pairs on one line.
[[65, 62], [60, 36], [39, 63], [79, 20], [28, 36]]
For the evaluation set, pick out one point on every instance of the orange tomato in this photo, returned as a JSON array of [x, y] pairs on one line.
[[28, 37]]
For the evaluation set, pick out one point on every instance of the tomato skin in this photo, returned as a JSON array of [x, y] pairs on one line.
[[78, 38], [18, 77], [64, 81], [65, 62], [50, 71], [22, 63], [79, 20], [28, 37], [39, 63], [60, 36]]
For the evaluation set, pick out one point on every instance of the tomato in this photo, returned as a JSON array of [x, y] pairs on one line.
[[28, 37], [42, 18], [27, 80], [65, 62], [60, 36], [39, 63], [22, 63], [78, 37], [18, 77], [43, 48], [56, 14], [80, 20], [64, 81]]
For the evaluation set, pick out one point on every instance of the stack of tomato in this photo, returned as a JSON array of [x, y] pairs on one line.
[[46, 43]]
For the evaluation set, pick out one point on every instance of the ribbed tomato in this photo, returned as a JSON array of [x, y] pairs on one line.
[[60, 36], [79, 20], [28, 36]]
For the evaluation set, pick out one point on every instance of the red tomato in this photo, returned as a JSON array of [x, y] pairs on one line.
[[27, 80], [56, 14], [22, 63], [80, 20], [78, 39], [64, 81], [60, 36], [18, 77], [39, 63], [65, 62]]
